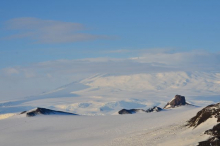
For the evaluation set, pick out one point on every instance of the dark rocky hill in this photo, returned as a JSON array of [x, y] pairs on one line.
[[133, 111], [129, 111], [153, 109], [44, 111], [211, 111]]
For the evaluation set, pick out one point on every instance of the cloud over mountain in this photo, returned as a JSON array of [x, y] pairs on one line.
[[44, 76]]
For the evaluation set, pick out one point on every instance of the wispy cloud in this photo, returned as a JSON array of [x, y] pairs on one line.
[[10, 71], [50, 31], [51, 74], [186, 60], [140, 51], [149, 62], [120, 51]]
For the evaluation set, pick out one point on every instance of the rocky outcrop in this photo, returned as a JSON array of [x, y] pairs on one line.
[[178, 100], [215, 139], [130, 111], [215, 131], [133, 111], [211, 111], [210, 142], [44, 111], [154, 109]]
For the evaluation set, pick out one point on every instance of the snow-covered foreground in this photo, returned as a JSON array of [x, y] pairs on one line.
[[163, 128]]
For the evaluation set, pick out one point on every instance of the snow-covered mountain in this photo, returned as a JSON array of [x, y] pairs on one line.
[[194, 82], [107, 94]]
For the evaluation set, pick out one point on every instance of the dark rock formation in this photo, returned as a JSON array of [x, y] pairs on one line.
[[130, 111], [154, 109], [215, 139], [133, 111], [210, 111], [215, 131], [178, 100], [44, 111], [23, 112], [210, 142]]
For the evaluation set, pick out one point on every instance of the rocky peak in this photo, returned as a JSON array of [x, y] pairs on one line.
[[178, 100]]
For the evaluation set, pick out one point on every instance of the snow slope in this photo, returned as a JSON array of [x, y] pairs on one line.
[[139, 129]]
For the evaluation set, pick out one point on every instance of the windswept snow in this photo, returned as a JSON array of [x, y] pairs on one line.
[[139, 129]]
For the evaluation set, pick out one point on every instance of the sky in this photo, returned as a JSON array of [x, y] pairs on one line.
[[40, 38]]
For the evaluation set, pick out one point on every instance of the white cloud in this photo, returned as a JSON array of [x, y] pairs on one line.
[[45, 76], [49, 31], [148, 62], [120, 51], [193, 60], [10, 71]]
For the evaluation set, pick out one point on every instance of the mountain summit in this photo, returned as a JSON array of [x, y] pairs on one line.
[[178, 100]]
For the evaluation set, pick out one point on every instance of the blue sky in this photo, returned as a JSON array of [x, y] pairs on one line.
[[108, 25]]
